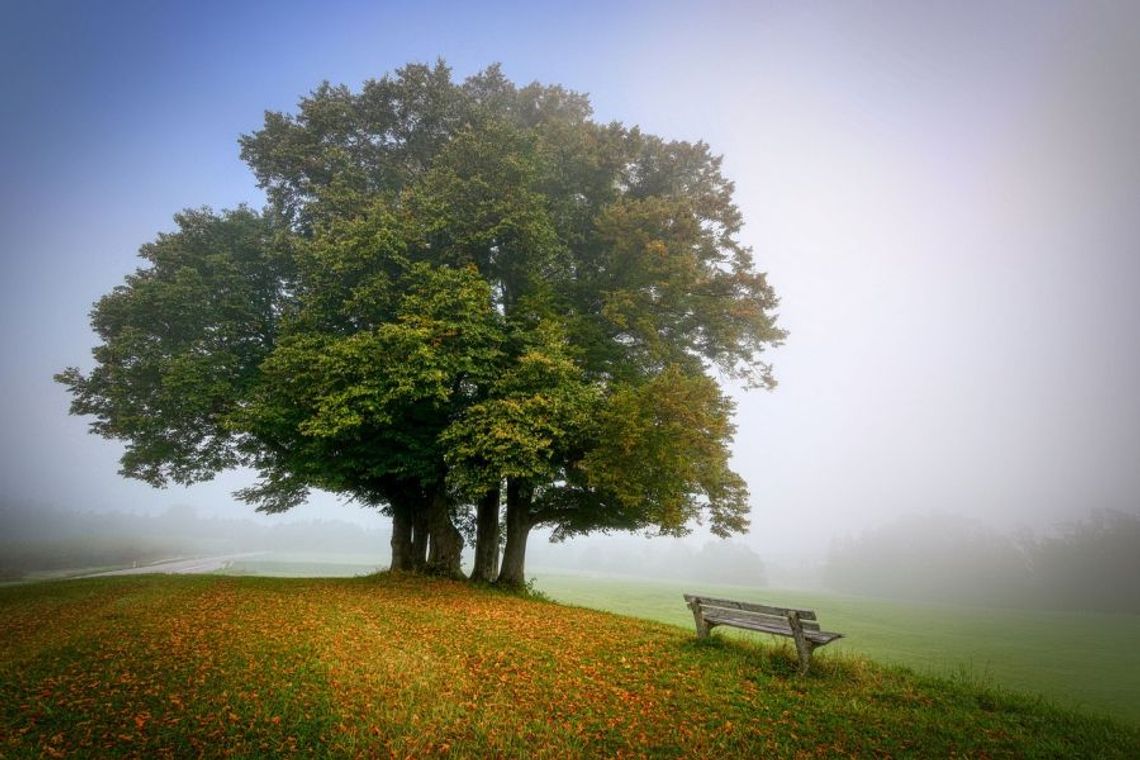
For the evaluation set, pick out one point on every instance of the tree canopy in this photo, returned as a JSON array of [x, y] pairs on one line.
[[459, 295]]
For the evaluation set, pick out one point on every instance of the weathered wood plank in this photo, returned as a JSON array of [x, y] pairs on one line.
[[750, 606], [816, 637], [727, 612], [738, 615], [751, 625], [823, 637]]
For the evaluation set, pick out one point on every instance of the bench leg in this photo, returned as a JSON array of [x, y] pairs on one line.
[[803, 646], [699, 619], [804, 650]]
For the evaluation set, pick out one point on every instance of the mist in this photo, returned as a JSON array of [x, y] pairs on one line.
[[1088, 565], [942, 196], [40, 542]]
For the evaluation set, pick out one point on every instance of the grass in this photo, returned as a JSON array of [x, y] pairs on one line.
[[307, 565], [1089, 661], [156, 666]]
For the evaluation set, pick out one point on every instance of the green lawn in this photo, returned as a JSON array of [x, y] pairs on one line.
[[307, 565], [401, 666], [1090, 661]]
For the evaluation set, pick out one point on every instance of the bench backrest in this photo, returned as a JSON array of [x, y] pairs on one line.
[[765, 612]]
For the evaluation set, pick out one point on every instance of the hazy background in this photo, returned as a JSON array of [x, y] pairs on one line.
[[945, 196]]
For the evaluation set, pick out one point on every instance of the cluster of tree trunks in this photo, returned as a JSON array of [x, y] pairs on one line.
[[425, 539]]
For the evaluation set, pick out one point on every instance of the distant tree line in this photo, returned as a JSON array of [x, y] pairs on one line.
[[1092, 564]]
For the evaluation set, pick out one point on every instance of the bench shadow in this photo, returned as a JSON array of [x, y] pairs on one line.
[[757, 658]]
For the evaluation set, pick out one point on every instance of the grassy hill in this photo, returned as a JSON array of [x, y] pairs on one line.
[[1085, 660], [170, 666]]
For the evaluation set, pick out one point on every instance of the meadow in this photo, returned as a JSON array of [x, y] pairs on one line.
[[398, 666], [1089, 661]]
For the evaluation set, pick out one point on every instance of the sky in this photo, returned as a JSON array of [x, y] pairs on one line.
[[944, 195]]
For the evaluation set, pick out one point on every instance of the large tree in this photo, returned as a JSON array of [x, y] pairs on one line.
[[460, 295]]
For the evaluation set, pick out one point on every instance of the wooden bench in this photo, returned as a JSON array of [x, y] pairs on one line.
[[800, 625]]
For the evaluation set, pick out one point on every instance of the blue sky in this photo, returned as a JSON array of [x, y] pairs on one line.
[[943, 194]]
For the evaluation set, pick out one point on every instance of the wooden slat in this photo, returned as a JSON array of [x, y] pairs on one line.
[[807, 625], [763, 609], [721, 612], [820, 638], [709, 608], [752, 626], [715, 610], [816, 637], [724, 619]]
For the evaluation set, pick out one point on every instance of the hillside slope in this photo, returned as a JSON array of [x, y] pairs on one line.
[[1086, 661], [168, 666]]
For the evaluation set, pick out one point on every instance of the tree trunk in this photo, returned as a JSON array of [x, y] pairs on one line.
[[419, 537], [446, 545], [487, 538], [402, 559], [513, 572]]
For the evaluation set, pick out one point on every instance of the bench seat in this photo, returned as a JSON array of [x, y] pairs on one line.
[[819, 638]]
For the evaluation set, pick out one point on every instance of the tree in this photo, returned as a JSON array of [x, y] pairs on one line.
[[458, 293], [1090, 564], [933, 557], [182, 344]]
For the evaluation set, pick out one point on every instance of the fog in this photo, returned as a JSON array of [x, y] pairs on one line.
[[943, 196], [1090, 565]]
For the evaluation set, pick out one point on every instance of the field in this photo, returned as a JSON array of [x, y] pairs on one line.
[[1085, 660], [307, 565], [1088, 661], [156, 666]]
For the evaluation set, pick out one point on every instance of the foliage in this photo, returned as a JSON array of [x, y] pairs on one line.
[[456, 287], [660, 451], [351, 412], [538, 412], [394, 666], [183, 339]]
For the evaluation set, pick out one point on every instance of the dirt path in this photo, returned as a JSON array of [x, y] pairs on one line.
[[185, 566]]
